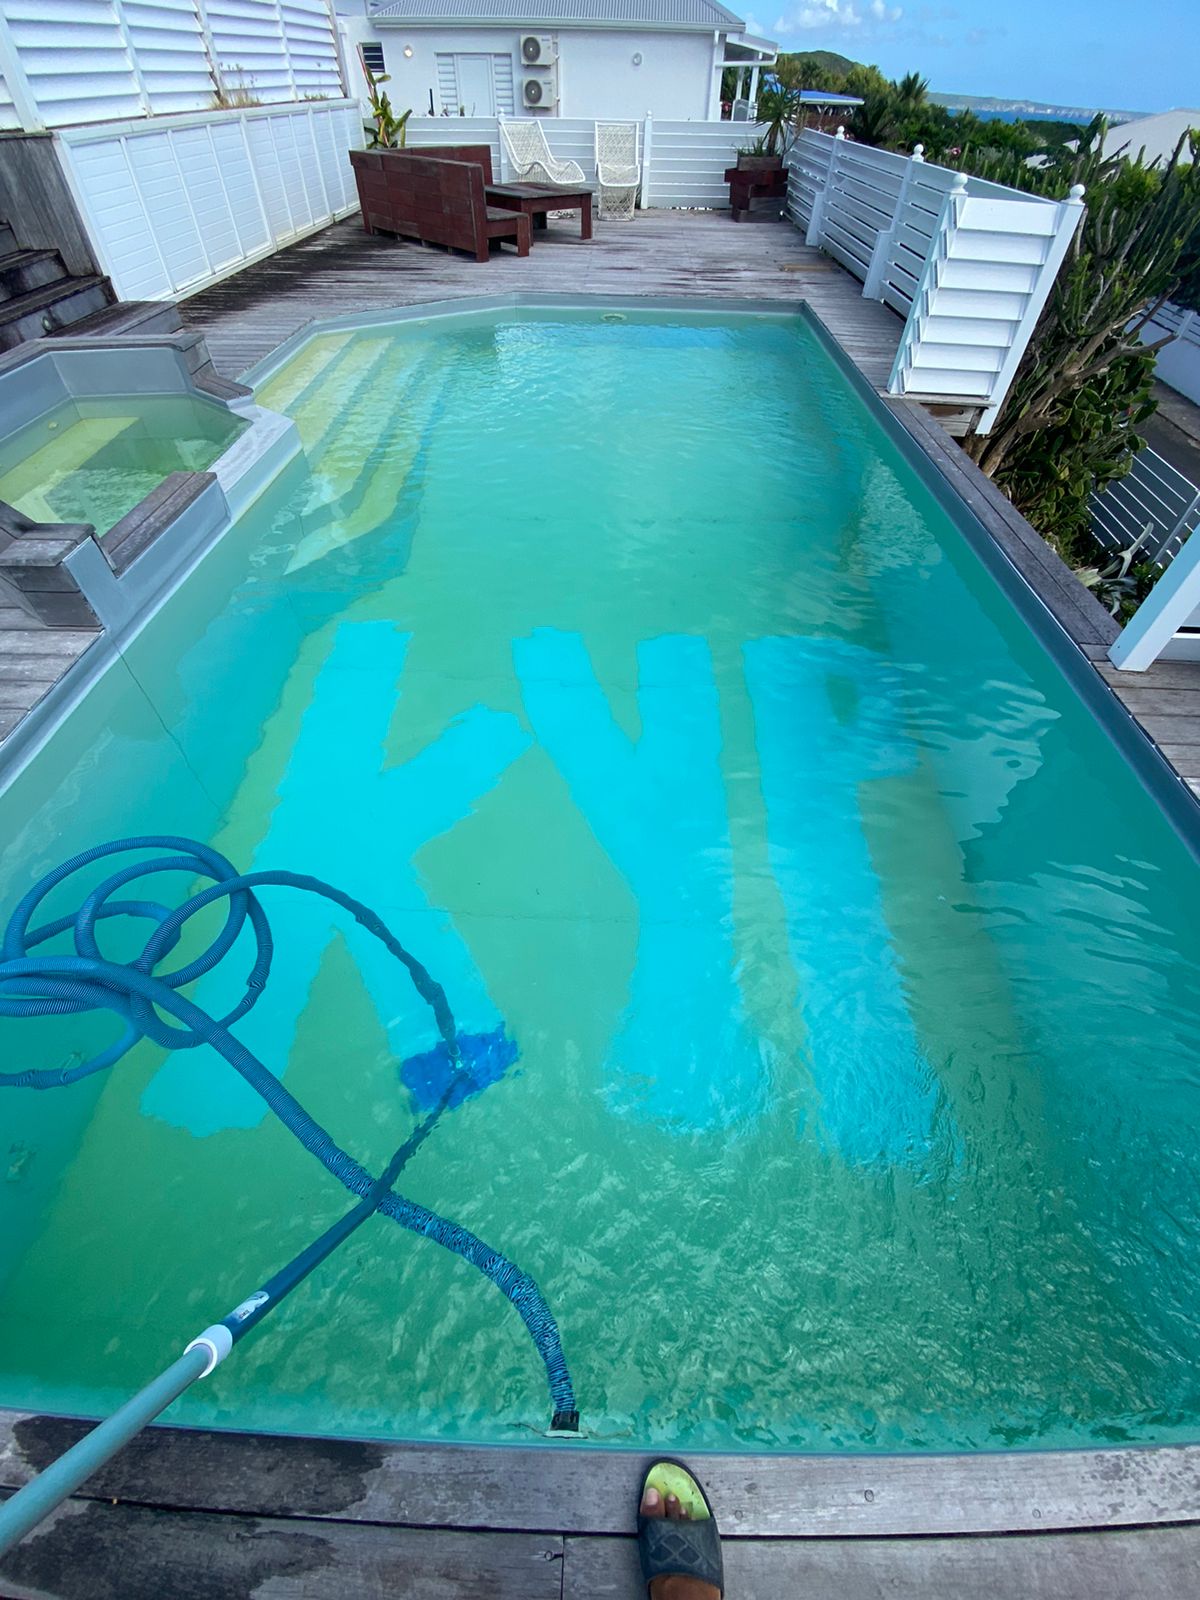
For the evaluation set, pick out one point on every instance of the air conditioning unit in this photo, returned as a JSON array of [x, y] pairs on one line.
[[540, 94], [537, 49]]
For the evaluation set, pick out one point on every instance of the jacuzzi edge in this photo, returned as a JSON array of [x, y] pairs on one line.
[[244, 472]]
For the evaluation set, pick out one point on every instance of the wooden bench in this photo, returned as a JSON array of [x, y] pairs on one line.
[[437, 201]]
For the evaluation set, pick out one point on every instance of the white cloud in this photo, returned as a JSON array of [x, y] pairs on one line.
[[833, 14]]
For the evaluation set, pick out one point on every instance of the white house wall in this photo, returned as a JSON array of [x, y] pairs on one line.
[[597, 77], [1177, 363]]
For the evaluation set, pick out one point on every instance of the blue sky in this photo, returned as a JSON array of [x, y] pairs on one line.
[[1069, 52]]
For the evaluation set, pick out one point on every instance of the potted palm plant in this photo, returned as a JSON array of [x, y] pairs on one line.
[[778, 110]]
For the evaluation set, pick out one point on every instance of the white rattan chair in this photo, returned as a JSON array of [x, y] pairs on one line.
[[529, 155], [618, 168]]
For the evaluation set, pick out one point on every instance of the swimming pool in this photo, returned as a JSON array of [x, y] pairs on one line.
[[632, 672]]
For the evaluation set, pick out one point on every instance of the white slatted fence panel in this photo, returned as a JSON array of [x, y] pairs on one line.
[[174, 203], [688, 161], [312, 48], [425, 131], [74, 56], [169, 51], [115, 212], [808, 172], [248, 38]]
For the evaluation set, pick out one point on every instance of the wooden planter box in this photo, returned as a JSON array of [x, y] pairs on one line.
[[756, 178]]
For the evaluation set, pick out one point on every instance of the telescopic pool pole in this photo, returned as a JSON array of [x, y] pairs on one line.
[[30, 1504]]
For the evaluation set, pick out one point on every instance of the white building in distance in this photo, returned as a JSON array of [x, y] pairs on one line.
[[1157, 135], [567, 58]]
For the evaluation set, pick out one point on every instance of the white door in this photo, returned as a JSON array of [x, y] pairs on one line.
[[475, 92]]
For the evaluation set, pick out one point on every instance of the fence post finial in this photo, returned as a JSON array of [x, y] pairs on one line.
[[1075, 197], [959, 186], [918, 152], [841, 133]]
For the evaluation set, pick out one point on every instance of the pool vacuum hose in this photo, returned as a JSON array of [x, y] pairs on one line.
[[64, 985]]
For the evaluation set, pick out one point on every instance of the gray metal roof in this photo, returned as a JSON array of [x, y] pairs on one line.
[[705, 14]]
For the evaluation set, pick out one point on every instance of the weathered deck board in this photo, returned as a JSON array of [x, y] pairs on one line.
[[661, 253], [106, 1551], [1163, 1564], [584, 1491], [122, 1552]]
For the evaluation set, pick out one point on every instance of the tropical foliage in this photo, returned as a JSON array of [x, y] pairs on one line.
[[388, 131], [1069, 424]]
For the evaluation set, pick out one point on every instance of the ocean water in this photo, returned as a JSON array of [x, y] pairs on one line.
[[844, 977]]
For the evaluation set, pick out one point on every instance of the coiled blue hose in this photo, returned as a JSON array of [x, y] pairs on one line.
[[63, 985]]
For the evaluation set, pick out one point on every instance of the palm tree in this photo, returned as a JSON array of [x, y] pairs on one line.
[[911, 91]]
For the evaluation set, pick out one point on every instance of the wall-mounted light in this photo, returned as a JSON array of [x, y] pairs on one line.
[[637, 58], [408, 51]]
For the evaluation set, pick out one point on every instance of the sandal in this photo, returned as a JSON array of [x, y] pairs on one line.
[[689, 1547]]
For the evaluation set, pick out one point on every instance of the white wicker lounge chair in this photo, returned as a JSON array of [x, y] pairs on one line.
[[618, 168], [526, 148]]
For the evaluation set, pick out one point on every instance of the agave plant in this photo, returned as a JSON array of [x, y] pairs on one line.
[[1115, 583]]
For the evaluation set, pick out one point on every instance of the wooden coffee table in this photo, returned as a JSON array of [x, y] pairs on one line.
[[536, 199]]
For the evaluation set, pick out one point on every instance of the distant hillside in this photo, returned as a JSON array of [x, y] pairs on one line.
[[1027, 108], [823, 61]]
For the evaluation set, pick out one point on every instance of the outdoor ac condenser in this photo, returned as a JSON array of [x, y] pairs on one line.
[[537, 49], [540, 93]]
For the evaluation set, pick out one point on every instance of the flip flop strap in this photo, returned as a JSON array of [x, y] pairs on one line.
[[692, 1549]]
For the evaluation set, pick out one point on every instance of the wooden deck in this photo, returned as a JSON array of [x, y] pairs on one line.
[[661, 253], [199, 1514]]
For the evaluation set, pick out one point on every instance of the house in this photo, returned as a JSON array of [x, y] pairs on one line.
[[567, 58], [1157, 135]]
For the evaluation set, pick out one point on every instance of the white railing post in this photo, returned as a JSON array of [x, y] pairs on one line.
[[647, 158], [1164, 610], [816, 222], [882, 253], [1070, 215], [931, 277]]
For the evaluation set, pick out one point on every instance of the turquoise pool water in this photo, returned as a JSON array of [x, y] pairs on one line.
[[631, 672], [93, 459]]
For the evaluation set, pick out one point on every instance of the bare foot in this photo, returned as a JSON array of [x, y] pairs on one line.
[[674, 1586]]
